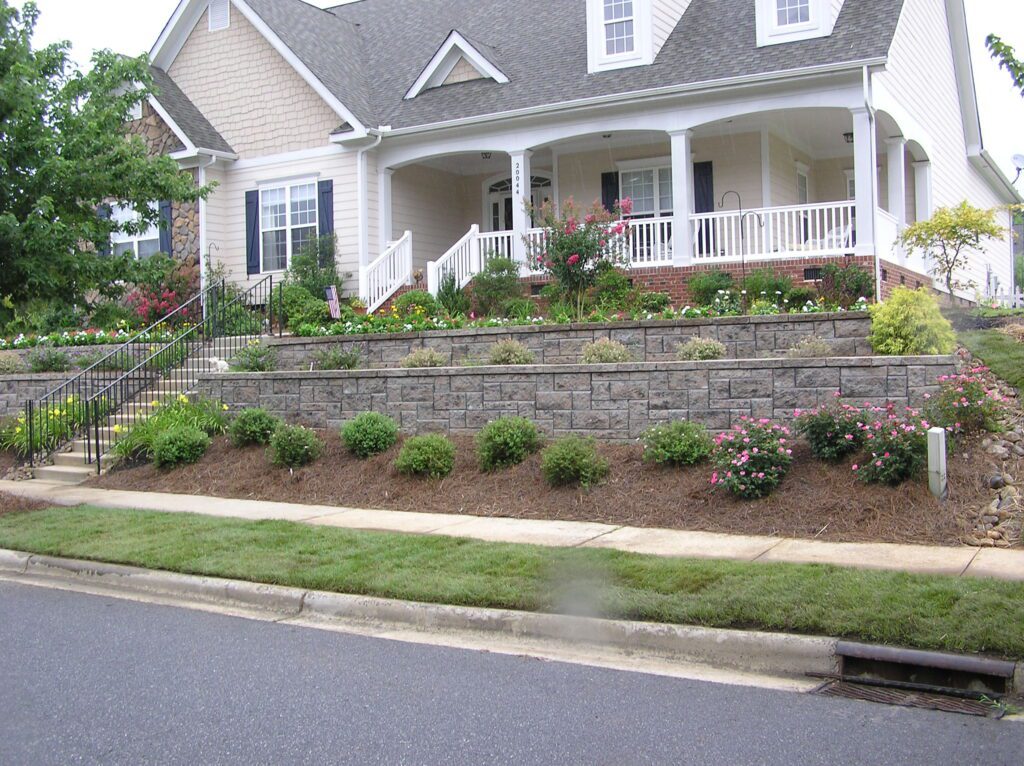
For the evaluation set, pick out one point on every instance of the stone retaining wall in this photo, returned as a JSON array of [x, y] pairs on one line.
[[614, 402], [15, 390], [650, 341]]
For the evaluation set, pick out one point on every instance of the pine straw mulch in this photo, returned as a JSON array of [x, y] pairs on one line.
[[815, 501]]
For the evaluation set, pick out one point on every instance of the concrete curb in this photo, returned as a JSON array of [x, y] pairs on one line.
[[774, 654]]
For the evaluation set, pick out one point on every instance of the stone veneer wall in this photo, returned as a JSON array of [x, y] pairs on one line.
[[614, 402], [654, 341], [15, 390], [75, 352]]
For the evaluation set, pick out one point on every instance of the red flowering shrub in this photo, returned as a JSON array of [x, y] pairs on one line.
[[833, 431], [752, 459], [578, 244], [154, 301]]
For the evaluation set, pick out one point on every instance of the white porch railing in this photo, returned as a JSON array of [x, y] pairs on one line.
[[496, 244], [777, 232], [462, 260], [649, 245], [383, 278]]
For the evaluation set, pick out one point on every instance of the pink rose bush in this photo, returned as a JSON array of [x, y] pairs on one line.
[[896, 445], [966, 403], [752, 459], [578, 244], [833, 432]]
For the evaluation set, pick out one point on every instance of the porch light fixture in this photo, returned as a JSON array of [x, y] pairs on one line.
[[485, 155], [848, 137]]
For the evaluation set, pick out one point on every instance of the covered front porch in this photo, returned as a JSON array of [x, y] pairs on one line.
[[776, 185]]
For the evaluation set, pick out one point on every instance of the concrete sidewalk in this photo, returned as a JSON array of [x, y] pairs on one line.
[[919, 559]]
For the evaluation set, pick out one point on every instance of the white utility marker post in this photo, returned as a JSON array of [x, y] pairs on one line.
[[937, 462]]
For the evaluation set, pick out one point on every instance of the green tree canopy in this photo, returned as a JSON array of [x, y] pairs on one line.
[[63, 154], [1007, 59]]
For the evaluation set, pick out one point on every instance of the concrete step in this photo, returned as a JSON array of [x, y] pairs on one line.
[[71, 459], [65, 474]]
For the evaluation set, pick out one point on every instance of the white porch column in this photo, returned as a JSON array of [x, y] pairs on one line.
[[923, 206], [865, 179], [384, 207], [682, 197], [521, 194], [896, 169]]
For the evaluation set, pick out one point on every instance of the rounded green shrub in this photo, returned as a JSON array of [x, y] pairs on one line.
[[431, 456], [255, 358], [510, 352], [909, 323], [369, 434], [704, 287], [183, 445], [700, 350], [651, 302], [506, 442], [605, 351], [294, 446], [416, 302], [424, 357], [573, 461], [253, 426], [44, 359], [677, 443]]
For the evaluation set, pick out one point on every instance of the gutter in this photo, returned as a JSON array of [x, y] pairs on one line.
[[643, 95]]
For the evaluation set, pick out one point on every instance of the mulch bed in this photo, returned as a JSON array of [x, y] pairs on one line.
[[13, 504], [815, 501]]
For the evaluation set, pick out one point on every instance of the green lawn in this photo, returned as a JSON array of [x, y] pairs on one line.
[[908, 610], [1000, 352]]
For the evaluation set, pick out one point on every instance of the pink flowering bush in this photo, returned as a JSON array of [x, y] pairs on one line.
[[579, 244], [966, 404], [153, 301], [897, 444], [752, 459], [833, 432]]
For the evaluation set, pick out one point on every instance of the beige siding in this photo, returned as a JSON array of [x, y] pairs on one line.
[[436, 206], [579, 174], [666, 15], [225, 228], [250, 94], [921, 76], [783, 170], [736, 162], [463, 72]]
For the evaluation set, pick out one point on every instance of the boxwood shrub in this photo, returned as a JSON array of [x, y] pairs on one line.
[[369, 434], [182, 445], [506, 442], [431, 456], [573, 461]]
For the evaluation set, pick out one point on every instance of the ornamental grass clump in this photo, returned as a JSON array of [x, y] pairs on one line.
[[183, 445], [253, 427], [897, 444], [510, 353], [833, 432], [424, 357], [369, 434], [700, 350], [678, 443], [294, 446], [573, 461], [506, 442], [966, 404], [605, 351], [752, 459], [431, 456]]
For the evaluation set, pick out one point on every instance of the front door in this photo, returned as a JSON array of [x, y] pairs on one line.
[[704, 202]]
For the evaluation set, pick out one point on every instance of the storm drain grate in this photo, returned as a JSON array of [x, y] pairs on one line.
[[906, 698]]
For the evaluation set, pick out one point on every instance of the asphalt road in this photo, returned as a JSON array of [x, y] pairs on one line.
[[87, 679]]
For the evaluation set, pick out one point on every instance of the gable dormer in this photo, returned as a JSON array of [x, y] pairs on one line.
[[786, 21], [458, 60], [628, 33]]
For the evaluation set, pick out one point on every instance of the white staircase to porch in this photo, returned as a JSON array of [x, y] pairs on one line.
[[386, 275]]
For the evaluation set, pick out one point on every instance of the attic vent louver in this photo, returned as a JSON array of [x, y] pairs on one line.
[[220, 14]]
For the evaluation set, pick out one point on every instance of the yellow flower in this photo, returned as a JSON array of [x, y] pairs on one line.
[[224, 407], [183, 399], [118, 429], [154, 403]]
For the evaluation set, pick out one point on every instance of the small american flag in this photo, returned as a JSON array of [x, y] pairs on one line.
[[332, 302]]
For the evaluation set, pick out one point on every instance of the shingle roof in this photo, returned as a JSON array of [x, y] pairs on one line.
[[188, 118]]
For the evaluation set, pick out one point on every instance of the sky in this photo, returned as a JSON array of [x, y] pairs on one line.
[[132, 26]]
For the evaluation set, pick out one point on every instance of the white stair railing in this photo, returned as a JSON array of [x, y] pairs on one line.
[[462, 260], [386, 275]]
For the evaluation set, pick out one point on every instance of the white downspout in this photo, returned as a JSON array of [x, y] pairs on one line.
[[203, 240], [869, 105]]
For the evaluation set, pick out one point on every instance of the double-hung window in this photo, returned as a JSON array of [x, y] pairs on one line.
[[790, 13], [650, 189], [138, 244], [288, 222], [619, 27]]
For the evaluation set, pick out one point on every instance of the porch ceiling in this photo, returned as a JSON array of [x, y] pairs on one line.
[[818, 132], [476, 164]]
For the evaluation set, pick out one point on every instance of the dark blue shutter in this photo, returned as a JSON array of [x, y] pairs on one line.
[[166, 244], [104, 212], [609, 190], [252, 233], [326, 207]]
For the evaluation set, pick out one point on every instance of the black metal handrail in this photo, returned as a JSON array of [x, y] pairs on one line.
[[110, 388]]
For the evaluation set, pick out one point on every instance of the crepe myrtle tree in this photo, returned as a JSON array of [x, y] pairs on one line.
[[64, 155], [579, 243], [949, 237]]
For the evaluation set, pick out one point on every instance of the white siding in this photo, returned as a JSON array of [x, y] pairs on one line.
[[666, 15], [920, 75]]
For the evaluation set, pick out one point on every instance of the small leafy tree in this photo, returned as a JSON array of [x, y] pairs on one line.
[[579, 245], [949, 237], [1007, 59]]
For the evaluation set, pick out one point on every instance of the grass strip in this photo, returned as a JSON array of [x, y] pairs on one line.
[[928, 612], [1001, 353]]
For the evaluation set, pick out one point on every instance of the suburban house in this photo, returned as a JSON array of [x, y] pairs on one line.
[[746, 132]]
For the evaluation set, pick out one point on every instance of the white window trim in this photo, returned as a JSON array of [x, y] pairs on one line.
[[813, 19], [642, 54], [851, 179], [123, 238], [770, 32], [640, 166], [287, 184], [453, 50]]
